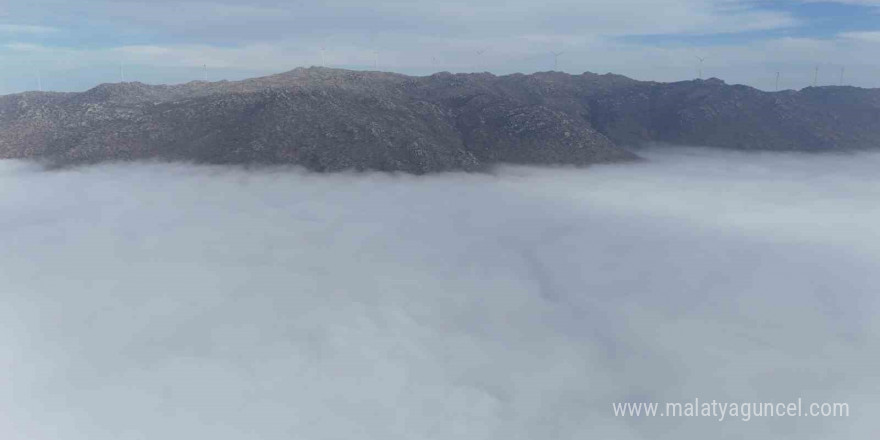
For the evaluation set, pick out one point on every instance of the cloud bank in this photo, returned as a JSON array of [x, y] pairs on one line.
[[173, 301]]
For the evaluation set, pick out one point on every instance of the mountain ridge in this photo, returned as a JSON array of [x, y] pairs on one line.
[[334, 119]]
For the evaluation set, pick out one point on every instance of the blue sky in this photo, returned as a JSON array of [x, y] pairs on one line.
[[76, 45]]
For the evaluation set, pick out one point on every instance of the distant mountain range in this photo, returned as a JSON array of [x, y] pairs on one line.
[[331, 119]]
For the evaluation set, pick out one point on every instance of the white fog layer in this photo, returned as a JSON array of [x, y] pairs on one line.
[[156, 301]]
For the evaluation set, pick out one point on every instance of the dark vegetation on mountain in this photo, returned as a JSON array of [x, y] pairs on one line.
[[331, 119]]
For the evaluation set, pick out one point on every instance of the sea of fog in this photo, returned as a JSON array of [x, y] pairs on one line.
[[156, 301]]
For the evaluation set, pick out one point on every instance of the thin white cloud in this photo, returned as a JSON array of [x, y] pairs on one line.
[[27, 47], [613, 18], [228, 21], [850, 2], [872, 36], [25, 29]]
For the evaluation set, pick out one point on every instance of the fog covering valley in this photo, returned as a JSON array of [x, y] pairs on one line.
[[172, 301]]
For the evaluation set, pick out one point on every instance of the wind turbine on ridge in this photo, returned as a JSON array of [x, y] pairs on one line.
[[480, 53], [701, 65], [556, 59], [375, 51]]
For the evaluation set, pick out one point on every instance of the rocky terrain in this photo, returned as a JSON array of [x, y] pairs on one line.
[[331, 119]]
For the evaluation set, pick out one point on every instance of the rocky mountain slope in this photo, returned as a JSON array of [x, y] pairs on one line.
[[330, 119]]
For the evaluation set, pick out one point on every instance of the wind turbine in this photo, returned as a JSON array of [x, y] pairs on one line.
[[480, 53], [777, 81], [205, 66], [816, 76], [701, 65], [841, 74], [122, 71], [556, 59], [323, 57]]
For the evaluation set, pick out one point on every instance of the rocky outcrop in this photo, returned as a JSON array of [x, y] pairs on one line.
[[330, 119]]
